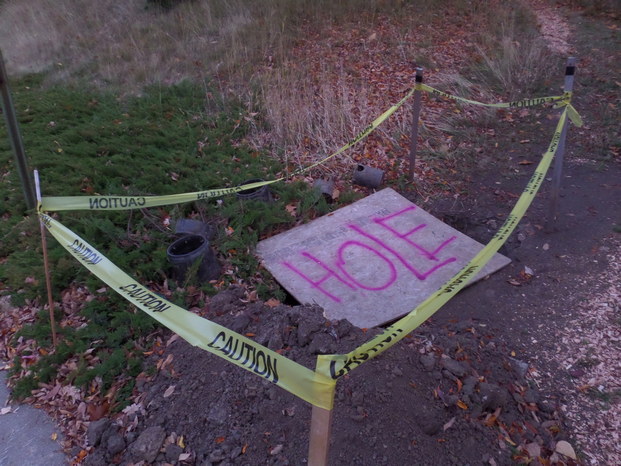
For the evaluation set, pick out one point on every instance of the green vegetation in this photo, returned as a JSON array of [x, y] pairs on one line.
[[86, 142]]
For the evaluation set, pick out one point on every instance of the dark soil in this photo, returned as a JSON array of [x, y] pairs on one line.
[[461, 389]]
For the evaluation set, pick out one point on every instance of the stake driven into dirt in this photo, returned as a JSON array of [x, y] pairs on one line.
[[46, 263]]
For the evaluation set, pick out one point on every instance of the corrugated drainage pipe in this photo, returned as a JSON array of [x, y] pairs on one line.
[[189, 249]]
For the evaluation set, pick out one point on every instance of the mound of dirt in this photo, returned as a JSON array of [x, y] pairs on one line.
[[449, 394]]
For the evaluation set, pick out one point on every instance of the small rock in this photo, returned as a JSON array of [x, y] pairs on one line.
[[531, 396], [577, 372], [96, 430], [224, 299], [308, 327], [148, 444], [397, 372], [216, 456], [492, 396], [463, 325], [357, 398], [469, 384], [322, 344], [276, 450], [454, 367], [275, 342], [545, 406], [533, 450], [520, 367], [97, 458], [428, 362], [564, 448], [218, 413], [430, 426], [240, 323], [172, 453], [235, 452], [343, 328], [115, 444]]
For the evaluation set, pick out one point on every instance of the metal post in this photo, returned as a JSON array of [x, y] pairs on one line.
[[416, 114], [15, 136], [570, 70]]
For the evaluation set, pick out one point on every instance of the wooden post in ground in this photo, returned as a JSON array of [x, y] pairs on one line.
[[570, 70], [46, 265], [15, 137], [321, 427], [415, 117]]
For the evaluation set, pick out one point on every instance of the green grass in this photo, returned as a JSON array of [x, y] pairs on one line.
[[85, 142]]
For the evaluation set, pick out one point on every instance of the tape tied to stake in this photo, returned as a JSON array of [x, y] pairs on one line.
[[563, 99], [315, 387], [210, 336], [337, 365]]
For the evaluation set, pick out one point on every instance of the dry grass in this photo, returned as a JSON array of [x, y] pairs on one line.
[[516, 57], [250, 49]]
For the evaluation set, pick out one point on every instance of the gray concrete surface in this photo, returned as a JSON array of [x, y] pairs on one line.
[[26, 434]]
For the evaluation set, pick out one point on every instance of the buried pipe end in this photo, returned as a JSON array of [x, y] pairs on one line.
[[368, 176], [186, 251], [261, 193]]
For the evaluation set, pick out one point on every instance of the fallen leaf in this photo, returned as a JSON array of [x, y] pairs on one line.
[[169, 391], [272, 302], [462, 405], [449, 424], [513, 282], [564, 448], [4, 411], [220, 439], [525, 162], [54, 436], [184, 456], [292, 209], [180, 442]]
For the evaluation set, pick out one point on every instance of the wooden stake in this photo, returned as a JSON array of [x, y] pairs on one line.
[[46, 265], [321, 427]]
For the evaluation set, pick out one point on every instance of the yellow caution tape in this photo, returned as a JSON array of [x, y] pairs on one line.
[[61, 203], [337, 365], [563, 99], [574, 116], [309, 385], [315, 387]]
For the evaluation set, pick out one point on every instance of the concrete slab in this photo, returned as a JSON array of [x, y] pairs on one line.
[[26, 434], [372, 261]]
